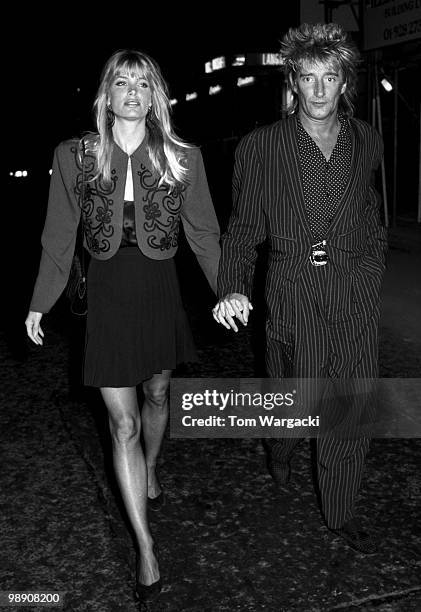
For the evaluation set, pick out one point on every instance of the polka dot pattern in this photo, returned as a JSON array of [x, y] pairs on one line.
[[323, 181]]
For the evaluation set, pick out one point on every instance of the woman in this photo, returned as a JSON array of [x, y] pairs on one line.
[[139, 179]]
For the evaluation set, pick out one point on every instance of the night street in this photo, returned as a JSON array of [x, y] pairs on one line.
[[257, 152], [227, 540]]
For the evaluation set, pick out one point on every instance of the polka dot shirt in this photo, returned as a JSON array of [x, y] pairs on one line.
[[323, 181]]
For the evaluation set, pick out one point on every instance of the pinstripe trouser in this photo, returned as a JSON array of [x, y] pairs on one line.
[[322, 348]]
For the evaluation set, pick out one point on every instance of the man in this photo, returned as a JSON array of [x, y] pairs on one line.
[[304, 185]]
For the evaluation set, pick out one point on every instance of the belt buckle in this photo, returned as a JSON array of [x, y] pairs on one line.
[[318, 255]]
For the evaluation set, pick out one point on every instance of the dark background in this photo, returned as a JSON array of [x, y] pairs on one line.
[[56, 57]]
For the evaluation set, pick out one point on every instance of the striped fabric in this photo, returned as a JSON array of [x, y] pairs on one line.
[[320, 321]]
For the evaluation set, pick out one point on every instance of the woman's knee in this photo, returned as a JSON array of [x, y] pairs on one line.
[[125, 428], [156, 392]]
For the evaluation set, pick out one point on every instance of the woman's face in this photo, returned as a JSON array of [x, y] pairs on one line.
[[130, 96]]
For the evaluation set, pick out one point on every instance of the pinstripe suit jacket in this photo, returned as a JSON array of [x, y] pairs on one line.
[[268, 204]]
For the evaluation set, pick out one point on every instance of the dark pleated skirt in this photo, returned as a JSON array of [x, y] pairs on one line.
[[136, 325]]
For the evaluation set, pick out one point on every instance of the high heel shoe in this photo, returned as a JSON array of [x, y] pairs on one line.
[[147, 592], [155, 503]]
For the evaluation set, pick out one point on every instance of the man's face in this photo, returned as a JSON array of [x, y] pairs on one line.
[[318, 87]]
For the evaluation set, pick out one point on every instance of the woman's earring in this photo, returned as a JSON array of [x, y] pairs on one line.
[[110, 116]]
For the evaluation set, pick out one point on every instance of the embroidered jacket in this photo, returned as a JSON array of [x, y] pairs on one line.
[[157, 214]]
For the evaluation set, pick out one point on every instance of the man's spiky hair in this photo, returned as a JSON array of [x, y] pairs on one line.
[[323, 43]]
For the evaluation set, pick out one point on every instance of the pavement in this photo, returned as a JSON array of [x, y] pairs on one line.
[[228, 540]]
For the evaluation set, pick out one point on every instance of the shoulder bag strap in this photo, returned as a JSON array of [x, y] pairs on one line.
[[80, 231]]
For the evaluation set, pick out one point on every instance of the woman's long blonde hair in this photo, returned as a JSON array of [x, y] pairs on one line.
[[166, 151]]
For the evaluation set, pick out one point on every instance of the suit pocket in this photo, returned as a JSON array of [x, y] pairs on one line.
[[280, 307], [357, 228], [366, 289], [287, 238], [286, 250], [342, 303]]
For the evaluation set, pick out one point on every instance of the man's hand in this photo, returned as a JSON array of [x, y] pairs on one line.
[[232, 305], [33, 327]]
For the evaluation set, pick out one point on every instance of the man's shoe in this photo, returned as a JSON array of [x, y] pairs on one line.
[[356, 537], [280, 472]]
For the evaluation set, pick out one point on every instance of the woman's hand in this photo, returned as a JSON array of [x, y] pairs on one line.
[[232, 305], [33, 327]]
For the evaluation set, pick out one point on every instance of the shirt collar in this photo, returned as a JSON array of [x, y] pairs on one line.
[[343, 120], [305, 138]]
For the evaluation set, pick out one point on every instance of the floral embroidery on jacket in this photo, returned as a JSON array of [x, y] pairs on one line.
[[161, 210], [97, 219]]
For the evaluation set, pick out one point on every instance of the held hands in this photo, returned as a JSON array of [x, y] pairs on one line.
[[33, 327], [232, 305]]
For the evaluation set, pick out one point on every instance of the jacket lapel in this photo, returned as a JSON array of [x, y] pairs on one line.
[[291, 171], [353, 178]]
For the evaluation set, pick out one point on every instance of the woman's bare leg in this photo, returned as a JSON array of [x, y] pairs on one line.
[[154, 421], [131, 473]]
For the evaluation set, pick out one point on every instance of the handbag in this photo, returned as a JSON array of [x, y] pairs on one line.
[[76, 289]]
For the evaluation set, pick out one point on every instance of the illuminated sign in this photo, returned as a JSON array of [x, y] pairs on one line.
[[208, 67], [214, 89], [239, 60], [173, 101], [218, 63], [391, 22], [242, 81], [191, 96], [272, 59]]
